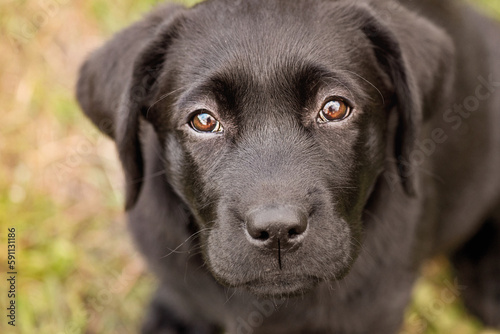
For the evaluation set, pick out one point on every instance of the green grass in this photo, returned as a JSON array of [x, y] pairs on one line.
[[60, 185]]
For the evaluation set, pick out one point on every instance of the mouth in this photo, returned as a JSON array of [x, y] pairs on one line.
[[281, 285]]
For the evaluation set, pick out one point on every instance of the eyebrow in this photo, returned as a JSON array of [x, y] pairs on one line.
[[312, 78], [304, 80], [220, 87]]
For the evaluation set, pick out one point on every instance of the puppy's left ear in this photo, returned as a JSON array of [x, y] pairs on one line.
[[418, 57]]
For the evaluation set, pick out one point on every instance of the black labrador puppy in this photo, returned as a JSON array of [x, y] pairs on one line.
[[290, 164]]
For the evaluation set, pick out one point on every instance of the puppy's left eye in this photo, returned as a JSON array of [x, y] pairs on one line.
[[334, 110], [204, 122]]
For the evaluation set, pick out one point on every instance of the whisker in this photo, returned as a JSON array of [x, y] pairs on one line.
[[172, 251], [229, 298], [164, 96], [368, 81], [420, 168]]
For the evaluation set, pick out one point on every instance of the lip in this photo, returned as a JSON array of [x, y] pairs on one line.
[[281, 285]]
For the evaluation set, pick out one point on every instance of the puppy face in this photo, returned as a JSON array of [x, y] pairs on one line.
[[273, 121], [273, 135]]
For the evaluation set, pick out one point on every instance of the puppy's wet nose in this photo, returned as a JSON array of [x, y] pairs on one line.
[[277, 226]]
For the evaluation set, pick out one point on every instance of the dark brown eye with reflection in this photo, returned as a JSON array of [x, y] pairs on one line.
[[333, 111], [204, 122]]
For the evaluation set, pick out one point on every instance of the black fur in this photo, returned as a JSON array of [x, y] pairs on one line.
[[406, 176]]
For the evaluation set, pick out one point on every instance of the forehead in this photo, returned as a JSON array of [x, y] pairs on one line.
[[268, 46], [263, 32]]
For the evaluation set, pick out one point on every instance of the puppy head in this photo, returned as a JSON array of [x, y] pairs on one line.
[[274, 137], [273, 120]]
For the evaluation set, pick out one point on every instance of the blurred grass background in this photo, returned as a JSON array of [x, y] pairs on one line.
[[60, 185]]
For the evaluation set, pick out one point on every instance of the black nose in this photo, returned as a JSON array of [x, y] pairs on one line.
[[276, 226]]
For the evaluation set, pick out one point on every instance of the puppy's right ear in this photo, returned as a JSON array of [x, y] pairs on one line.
[[119, 79]]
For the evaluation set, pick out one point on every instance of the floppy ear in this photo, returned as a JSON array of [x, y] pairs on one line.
[[119, 79], [418, 58]]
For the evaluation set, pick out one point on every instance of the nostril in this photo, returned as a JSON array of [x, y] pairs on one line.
[[263, 236], [292, 233], [257, 232]]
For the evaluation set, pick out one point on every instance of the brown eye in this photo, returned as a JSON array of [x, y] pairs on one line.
[[333, 111], [204, 122]]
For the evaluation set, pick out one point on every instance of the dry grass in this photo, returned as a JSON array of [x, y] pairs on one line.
[[60, 184]]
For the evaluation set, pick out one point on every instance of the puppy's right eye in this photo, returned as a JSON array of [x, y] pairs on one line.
[[204, 122]]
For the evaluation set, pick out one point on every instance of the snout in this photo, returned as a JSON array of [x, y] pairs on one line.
[[276, 245], [276, 227], [279, 226]]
